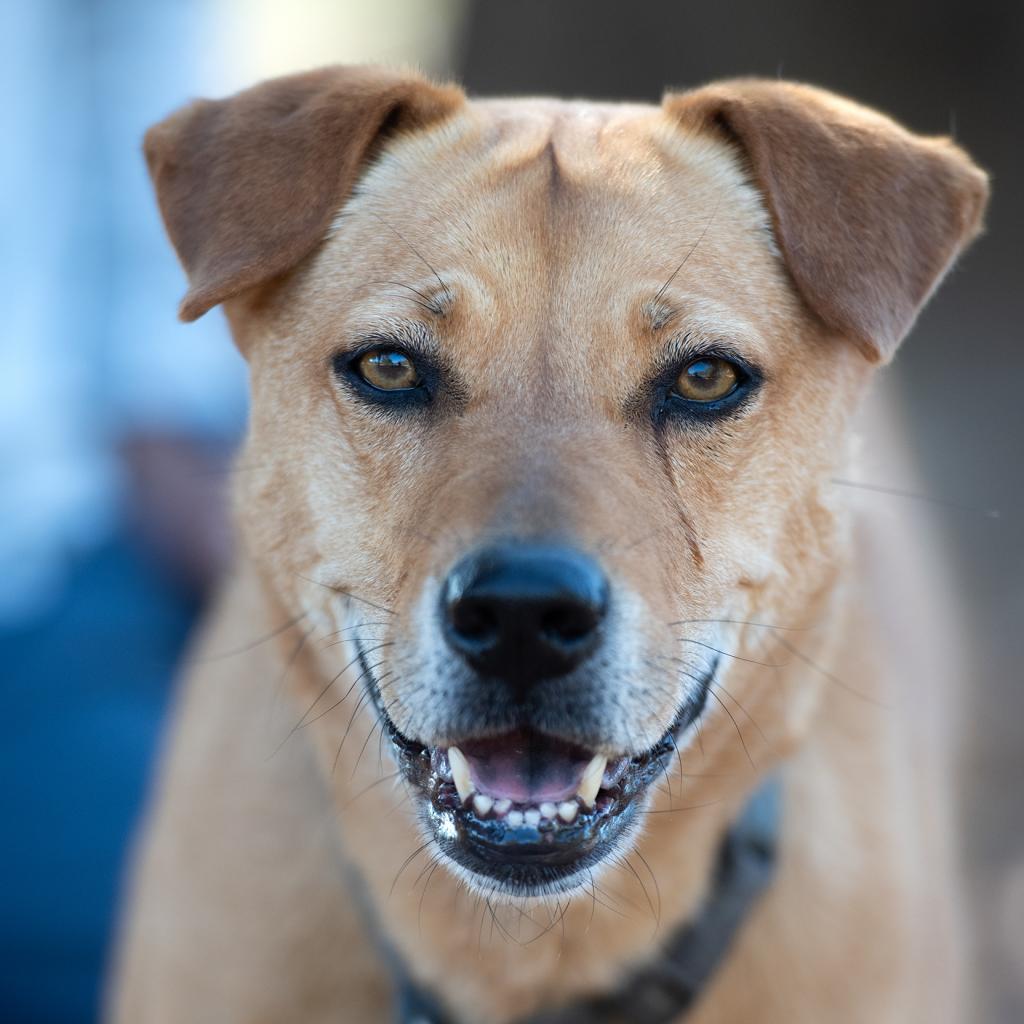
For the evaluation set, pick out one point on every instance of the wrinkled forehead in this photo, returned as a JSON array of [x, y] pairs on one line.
[[553, 215]]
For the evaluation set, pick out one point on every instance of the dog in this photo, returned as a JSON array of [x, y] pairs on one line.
[[556, 679]]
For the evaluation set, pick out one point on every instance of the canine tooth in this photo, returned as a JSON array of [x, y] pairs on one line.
[[482, 804], [515, 818], [460, 773], [532, 817], [502, 806], [548, 810], [591, 781], [568, 810]]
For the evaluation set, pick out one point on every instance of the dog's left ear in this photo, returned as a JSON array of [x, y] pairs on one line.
[[868, 216], [249, 185]]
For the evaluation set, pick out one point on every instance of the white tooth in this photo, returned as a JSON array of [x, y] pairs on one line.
[[482, 804], [501, 806], [460, 773], [591, 781], [568, 810], [548, 810], [515, 819], [532, 817]]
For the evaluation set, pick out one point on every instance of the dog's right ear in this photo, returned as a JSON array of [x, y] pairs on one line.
[[867, 215], [249, 185]]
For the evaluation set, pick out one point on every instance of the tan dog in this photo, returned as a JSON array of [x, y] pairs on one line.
[[543, 572]]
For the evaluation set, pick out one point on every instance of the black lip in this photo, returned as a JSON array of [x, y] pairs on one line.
[[528, 860]]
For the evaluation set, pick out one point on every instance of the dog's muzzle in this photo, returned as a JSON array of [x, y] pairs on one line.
[[521, 803]]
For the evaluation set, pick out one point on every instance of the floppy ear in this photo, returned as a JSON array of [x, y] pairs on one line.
[[249, 185], [868, 216]]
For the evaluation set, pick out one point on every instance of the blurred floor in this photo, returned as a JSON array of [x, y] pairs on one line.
[[84, 696]]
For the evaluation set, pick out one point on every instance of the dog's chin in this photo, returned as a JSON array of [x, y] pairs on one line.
[[528, 814]]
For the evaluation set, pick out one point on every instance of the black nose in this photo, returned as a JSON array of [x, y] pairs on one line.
[[524, 612]]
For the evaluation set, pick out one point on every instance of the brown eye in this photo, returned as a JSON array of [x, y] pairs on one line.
[[707, 379], [387, 369]]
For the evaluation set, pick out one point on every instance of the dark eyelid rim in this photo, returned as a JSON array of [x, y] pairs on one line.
[[668, 407], [437, 379]]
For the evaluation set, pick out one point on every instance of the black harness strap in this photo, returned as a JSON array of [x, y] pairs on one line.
[[669, 985]]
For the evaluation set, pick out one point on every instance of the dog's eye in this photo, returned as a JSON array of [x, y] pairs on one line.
[[707, 379], [387, 369]]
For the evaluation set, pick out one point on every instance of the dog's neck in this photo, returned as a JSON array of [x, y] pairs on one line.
[[681, 966]]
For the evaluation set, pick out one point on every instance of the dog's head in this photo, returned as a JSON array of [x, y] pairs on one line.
[[546, 402]]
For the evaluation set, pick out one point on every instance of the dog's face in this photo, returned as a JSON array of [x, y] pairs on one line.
[[560, 469], [542, 434]]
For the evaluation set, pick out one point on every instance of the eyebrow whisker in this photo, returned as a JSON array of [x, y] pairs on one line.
[[431, 303], [693, 249], [416, 251]]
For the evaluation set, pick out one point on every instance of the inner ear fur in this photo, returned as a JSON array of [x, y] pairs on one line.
[[868, 216], [249, 185]]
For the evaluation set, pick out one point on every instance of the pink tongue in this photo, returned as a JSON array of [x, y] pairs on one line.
[[524, 767]]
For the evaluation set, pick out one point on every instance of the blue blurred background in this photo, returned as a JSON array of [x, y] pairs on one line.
[[117, 423]]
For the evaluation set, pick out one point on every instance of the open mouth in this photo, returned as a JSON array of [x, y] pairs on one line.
[[529, 811]]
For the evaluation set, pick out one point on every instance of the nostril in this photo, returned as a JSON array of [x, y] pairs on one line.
[[475, 621], [568, 625]]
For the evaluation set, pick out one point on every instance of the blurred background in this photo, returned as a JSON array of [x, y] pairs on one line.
[[117, 423]]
